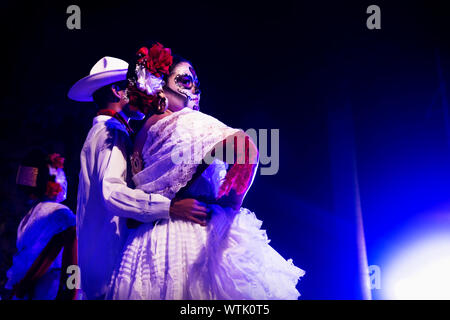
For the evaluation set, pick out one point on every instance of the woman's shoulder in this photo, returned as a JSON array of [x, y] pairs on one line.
[[47, 213], [155, 118], [142, 135], [57, 211]]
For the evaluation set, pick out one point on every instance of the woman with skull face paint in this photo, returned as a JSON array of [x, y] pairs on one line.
[[177, 153], [46, 237], [182, 87]]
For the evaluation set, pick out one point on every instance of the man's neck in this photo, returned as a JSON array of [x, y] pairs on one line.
[[118, 108], [114, 106]]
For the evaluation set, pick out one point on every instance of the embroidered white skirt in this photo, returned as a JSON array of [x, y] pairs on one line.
[[228, 259]]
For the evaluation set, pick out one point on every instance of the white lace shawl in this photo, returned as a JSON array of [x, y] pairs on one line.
[[174, 148]]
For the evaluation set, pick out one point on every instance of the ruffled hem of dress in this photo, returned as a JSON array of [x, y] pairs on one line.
[[236, 263], [244, 266]]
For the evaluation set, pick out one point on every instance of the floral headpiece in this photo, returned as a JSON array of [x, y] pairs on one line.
[[56, 186], [56, 161], [54, 189], [145, 88]]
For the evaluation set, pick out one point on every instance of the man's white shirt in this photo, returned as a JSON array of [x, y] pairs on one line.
[[105, 200]]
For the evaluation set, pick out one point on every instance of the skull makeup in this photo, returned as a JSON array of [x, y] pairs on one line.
[[182, 88], [60, 177]]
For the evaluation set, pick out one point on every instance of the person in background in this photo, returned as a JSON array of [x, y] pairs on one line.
[[46, 236]]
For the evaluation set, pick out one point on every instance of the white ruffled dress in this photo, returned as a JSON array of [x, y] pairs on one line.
[[176, 259]]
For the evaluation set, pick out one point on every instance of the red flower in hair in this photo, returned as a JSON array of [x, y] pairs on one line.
[[56, 161], [53, 189], [143, 53], [157, 60]]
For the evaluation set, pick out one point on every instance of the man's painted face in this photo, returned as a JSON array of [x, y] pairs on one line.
[[182, 88]]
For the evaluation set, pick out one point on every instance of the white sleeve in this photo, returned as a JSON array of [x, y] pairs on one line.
[[119, 199]]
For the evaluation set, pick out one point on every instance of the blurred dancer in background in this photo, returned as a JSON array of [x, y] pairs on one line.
[[46, 237]]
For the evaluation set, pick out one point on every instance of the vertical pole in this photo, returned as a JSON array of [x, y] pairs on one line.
[[351, 249], [363, 264]]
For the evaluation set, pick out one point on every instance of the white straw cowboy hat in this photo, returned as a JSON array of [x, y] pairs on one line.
[[106, 71]]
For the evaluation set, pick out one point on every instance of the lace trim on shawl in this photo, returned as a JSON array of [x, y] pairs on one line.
[[185, 130]]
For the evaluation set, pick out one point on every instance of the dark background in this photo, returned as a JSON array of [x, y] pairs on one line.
[[300, 67]]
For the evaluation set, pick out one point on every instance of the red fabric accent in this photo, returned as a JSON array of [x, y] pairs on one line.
[[53, 189], [117, 116], [106, 112]]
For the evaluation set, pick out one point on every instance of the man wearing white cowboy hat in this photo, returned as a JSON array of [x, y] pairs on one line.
[[104, 198]]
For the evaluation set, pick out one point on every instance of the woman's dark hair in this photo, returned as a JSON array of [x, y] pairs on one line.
[[176, 60], [37, 158]]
